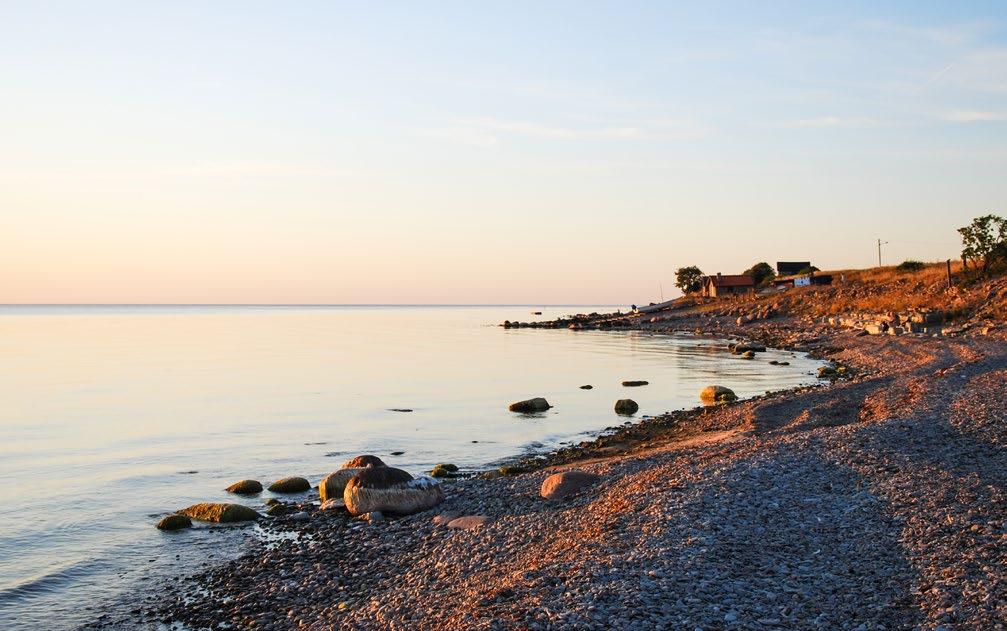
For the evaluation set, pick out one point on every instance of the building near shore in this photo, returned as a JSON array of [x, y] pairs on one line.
[[802, 280], [791, 268], [727, 285]]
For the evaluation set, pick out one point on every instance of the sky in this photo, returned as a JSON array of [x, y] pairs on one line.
[[460, 152]]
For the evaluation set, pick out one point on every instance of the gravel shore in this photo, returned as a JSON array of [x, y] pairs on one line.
[[879, 502]]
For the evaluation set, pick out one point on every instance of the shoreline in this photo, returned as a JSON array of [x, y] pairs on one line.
[[375, 575]]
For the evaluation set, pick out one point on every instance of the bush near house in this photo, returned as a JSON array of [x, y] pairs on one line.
[[910, 266]]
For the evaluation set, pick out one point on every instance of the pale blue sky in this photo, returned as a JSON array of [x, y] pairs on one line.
[[458, 152]]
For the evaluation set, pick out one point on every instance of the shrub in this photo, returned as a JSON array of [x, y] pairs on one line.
[[910, 266]]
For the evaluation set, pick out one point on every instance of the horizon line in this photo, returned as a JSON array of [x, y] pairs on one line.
[[299, 304]]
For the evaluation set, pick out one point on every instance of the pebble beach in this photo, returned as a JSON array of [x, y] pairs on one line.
[[877, 501]]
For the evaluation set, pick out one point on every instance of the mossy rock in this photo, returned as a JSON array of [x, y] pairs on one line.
[[277, 510], [290, 485], [717, 394], [626, 407], [219, 512], [510, 470], [174, 522], [245, 487], [443, 470]]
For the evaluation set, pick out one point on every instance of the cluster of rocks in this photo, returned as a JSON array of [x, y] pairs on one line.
[[364, 485], [922, 321], [579, 321]]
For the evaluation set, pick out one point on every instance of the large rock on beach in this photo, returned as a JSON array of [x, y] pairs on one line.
[[626, 407], [245, 487], [292, 484], [220, 512], [390, 490], [174, 522], [717, 394], [360, 462], [528, 406], [561, 485], [332, 486]]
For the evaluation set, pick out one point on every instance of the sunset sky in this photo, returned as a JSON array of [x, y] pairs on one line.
[[563, 152]]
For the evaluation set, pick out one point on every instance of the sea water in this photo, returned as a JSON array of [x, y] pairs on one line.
[[113, 416]]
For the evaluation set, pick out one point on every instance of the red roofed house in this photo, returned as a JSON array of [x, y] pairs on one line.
[[727, 285]]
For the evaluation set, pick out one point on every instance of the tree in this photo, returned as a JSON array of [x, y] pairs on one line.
[[808, 270], [761, 273], [984, 242], [689, 279]]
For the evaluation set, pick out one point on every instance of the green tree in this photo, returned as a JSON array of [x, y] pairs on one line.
[[761, 273], [689, 279], [984, 242]]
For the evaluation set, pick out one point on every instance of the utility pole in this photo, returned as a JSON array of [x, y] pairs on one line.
[[879, 251]]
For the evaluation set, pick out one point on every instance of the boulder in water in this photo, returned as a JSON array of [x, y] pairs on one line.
[[529, 406], [220, 512], [292, 484], [717, 394], [635, 384], [174, 522], [245, 487], [626, 407], [586, 387]]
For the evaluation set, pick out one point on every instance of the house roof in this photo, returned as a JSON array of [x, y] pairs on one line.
[[731, 280], [785, 268]]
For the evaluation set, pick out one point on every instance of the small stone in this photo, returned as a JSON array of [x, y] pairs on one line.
[[446, 517], [469, 522]]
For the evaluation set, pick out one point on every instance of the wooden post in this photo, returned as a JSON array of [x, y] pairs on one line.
[[949, 273]]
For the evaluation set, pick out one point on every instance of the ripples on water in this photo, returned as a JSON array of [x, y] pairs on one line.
[[114, 416]]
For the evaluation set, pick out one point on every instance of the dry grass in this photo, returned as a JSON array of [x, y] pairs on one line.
[[885, 289]]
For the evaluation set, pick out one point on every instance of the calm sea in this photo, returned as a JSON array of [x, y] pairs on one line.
[[113, 416]]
